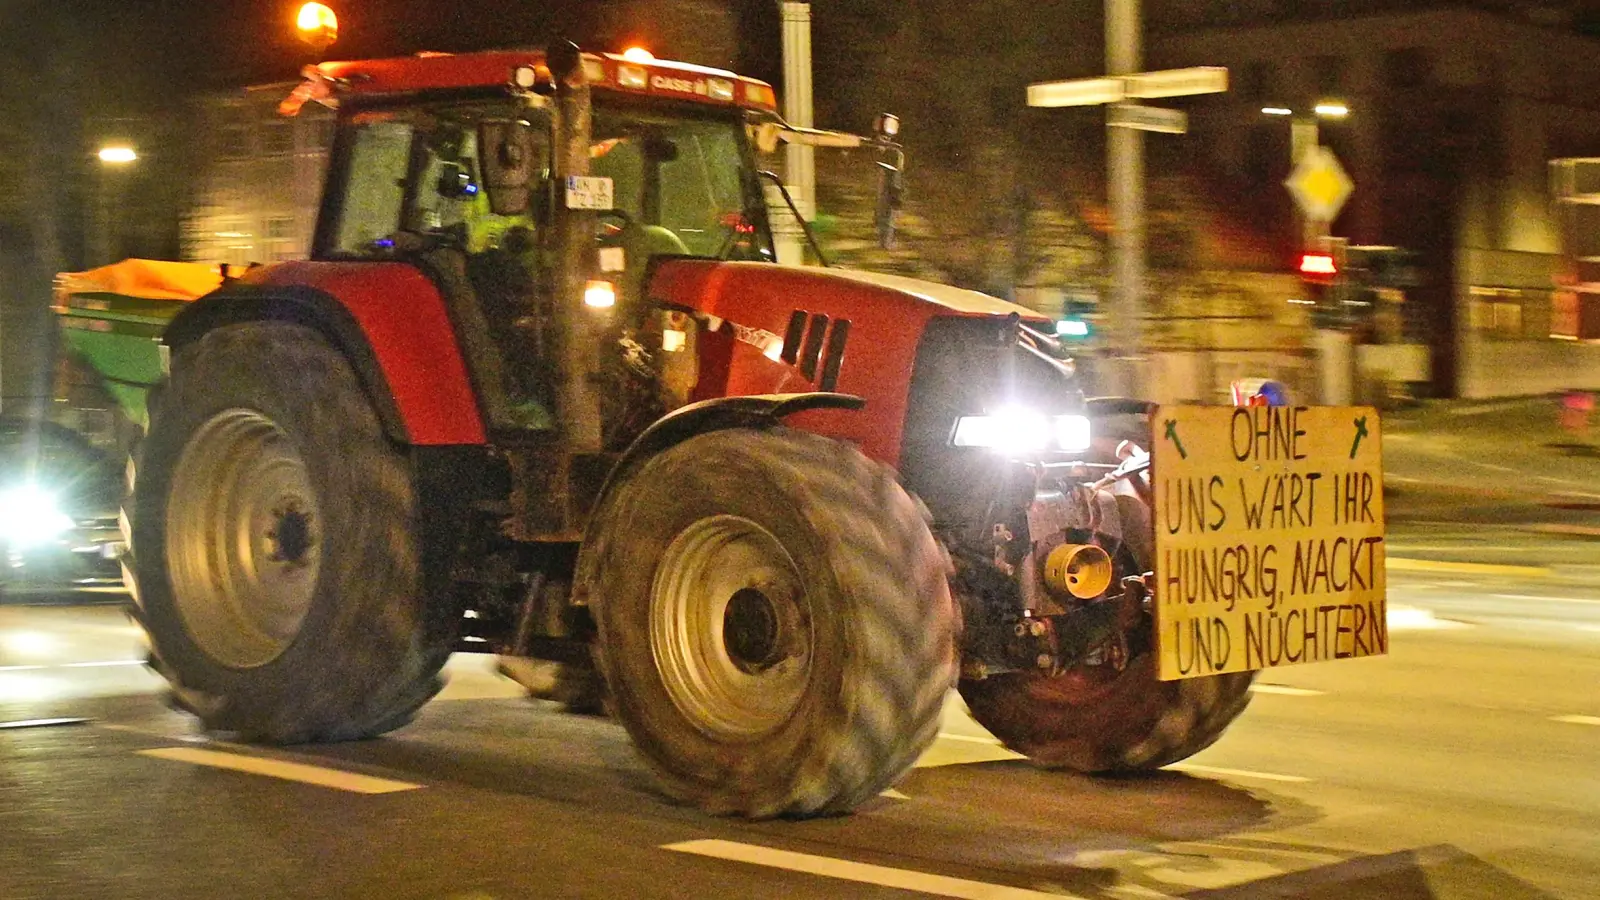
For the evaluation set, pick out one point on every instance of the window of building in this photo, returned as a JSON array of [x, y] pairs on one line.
[[277, 136], [1328, 74], [319, 133], [1258, 83], [1497, 312], [1566, 320], [233, 140], [280, 243], [1408, 67], [233, 133], [1263, 153]]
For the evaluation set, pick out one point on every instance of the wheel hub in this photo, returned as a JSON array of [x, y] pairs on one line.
[[730, 628], [244, 538], [290, 539], [750, 630]]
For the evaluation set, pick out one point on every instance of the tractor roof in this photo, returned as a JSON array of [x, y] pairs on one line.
[[429, 72]]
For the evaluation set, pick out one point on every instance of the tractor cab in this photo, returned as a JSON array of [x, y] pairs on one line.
[[512, 200]]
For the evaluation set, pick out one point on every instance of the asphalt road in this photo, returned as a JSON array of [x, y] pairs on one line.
[[1465, 764]]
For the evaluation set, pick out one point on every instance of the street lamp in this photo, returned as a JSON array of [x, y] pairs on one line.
[[117, 154], [1303, 133]]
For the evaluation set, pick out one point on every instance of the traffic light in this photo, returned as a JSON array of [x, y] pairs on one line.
[[1322, 272], [1318, 267], [1074, 321]]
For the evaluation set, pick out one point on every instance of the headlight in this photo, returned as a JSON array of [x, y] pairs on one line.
[[1019, 431], [29, 515]]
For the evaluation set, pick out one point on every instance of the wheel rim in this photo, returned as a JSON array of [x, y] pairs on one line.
[[731, 628], [244, 539]]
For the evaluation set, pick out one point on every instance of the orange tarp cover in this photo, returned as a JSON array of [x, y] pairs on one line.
[[151, 279]]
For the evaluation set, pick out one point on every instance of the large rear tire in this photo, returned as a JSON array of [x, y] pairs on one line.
[[275, 546], [774, 622]]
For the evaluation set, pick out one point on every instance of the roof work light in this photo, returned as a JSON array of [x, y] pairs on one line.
[[318, 25]]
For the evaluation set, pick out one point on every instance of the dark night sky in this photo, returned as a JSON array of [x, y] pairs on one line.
[[157, 48]]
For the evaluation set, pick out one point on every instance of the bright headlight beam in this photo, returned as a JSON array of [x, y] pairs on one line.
[[1020, 431], [1073, 433], [29, 515]]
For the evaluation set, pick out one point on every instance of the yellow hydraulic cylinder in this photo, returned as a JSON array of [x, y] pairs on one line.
[[1081, 570]]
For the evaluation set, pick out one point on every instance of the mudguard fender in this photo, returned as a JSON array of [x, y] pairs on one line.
[[439, 410], [759, 411]]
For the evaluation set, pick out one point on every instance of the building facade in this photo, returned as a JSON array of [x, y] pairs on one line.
[[1455, 113], [259, 180]]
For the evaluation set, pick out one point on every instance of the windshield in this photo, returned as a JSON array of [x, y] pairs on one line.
[[687, 179], [683, 181]]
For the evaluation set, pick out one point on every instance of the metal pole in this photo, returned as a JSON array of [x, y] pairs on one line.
[[799, 160], [1125, 190], [1303, 138], [102, 222]]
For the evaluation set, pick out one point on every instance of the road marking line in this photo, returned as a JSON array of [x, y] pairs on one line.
[[893, 794], [1238, 773], [1402, 564], [1403, 618], [863, 873], [1577, 720], [101, 665], [1284, 690], [1549, 599], [1491, 466], [41, 723], [273, 768], [21, 668]]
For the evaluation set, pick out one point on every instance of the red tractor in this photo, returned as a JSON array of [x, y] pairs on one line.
[[542, 391]]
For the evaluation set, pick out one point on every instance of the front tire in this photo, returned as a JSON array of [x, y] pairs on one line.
[[275, 545], [774, 622], [1096, 718]]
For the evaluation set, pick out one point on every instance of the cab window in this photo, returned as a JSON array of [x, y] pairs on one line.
[[374, 188], [414, 180]]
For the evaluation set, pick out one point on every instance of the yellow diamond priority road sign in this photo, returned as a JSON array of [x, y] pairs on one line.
[[1319, 184]]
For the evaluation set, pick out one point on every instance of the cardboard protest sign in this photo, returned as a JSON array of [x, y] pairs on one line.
[[1269, 537]]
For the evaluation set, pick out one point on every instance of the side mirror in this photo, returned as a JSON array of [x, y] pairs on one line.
[[509, 162]]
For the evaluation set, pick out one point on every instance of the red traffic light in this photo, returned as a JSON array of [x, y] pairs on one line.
[[1318, 265]]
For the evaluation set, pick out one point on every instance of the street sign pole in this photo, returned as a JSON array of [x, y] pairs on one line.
[[1125, 192], [799, 159], [1302, 137], [1126, 123]]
